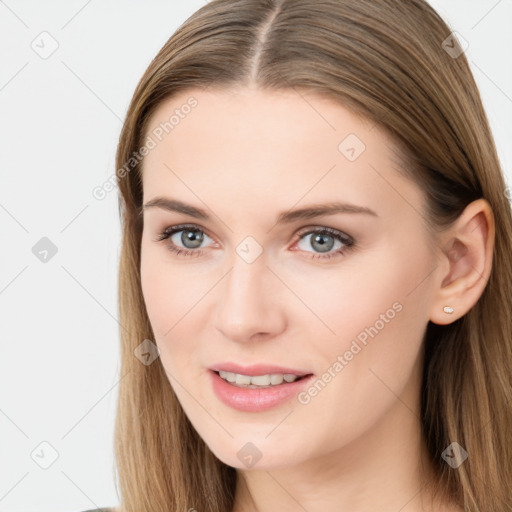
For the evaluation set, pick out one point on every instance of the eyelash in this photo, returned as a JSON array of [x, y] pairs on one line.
[[348, 242]]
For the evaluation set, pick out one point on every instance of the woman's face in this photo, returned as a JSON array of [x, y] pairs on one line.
[[262, 285]]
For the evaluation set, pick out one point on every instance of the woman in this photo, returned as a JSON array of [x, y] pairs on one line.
[[315, 275]]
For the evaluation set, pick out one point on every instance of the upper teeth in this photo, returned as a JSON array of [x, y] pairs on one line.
[[258, 380]]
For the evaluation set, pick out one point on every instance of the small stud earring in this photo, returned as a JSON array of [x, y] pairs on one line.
[[448, 309]]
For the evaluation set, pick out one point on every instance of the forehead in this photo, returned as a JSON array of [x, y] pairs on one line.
[[255, 117], [286, 145]]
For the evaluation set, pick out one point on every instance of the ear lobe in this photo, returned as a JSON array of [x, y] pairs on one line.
[[468, 256]]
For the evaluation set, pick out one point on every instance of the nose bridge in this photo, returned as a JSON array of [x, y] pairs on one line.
[[246, 306], [245, 285]]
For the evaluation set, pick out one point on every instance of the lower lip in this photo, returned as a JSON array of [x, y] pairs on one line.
[[256, 400]]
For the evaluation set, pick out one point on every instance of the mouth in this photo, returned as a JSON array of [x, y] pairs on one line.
[[263, 381], [258, 392]]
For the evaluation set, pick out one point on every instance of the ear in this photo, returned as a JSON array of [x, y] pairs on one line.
[[465, 262]]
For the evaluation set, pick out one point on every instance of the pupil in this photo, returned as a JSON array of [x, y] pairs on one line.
[[324, 246], [191, 236]]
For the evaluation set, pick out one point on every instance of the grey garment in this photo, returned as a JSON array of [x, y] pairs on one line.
[[104, 509]]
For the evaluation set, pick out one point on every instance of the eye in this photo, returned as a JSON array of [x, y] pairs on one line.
[[322, 239], [191, 237]]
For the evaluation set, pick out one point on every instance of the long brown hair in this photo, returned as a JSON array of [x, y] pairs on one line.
[[395, 63]]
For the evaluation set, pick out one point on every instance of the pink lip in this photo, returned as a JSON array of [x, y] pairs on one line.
[[256, 400], [256, 369]]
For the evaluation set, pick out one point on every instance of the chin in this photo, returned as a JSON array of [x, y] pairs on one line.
[[259, 453]]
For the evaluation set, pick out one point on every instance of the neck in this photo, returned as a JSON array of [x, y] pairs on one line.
[[386, 468]]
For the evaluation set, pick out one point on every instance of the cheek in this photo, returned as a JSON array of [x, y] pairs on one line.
[[156, 283], [170, 290], [366, 321], [378, 317], [175, 294], [370, 359], [161, 289], [340, 302]]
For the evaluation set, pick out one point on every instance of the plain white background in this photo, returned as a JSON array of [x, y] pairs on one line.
[[60, 119]]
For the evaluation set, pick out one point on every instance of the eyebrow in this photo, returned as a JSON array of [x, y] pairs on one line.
[[308, 212]]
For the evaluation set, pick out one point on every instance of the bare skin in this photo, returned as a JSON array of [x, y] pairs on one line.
[[245, 156]]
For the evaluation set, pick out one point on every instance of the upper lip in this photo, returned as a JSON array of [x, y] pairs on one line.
[[256, 369]]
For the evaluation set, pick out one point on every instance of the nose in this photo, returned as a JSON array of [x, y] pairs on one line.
[[250, 307]]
